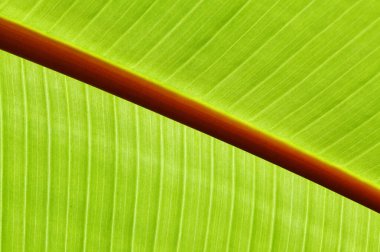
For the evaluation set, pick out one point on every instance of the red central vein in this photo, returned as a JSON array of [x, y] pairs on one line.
[[70, 61]]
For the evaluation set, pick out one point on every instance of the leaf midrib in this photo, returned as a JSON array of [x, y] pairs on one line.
[[109, 77]]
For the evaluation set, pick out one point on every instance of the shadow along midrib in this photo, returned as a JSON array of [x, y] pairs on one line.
[[70, 61]]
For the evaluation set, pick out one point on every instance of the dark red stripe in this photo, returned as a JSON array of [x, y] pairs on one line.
[[38, 48]]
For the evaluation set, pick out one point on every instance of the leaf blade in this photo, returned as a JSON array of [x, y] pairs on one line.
[[134, 139]]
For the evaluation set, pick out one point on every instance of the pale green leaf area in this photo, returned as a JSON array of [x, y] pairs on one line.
[[304, 71], [82, 170]]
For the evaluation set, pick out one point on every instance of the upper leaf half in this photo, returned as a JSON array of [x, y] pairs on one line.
[[305, 72]]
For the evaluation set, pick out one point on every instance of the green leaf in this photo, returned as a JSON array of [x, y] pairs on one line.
[[305, 72], [83, 170]]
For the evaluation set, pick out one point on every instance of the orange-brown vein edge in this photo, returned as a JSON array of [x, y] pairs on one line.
[[70, 61]]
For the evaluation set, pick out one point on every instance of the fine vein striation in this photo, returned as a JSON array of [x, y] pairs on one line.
[[155, 185]]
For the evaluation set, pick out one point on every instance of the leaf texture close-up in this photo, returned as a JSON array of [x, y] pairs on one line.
[[85, 170]]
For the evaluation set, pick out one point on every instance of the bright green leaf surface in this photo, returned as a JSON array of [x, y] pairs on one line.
[[83, 170], [306, 71]]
